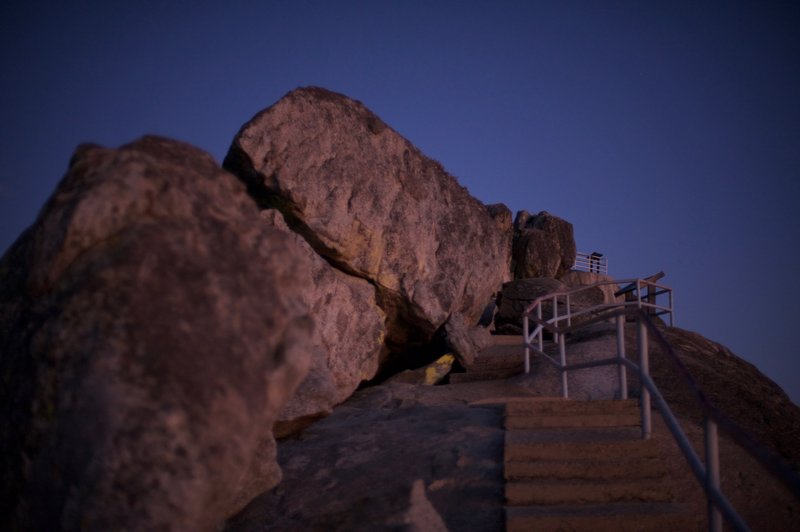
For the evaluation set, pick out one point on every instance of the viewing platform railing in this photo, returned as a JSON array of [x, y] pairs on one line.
[[638, 302], [590, 262]]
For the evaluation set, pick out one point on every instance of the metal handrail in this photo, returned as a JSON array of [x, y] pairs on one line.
[[645, 292], [708, 474], [589, 262]]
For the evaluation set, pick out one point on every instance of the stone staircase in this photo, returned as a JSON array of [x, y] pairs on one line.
[[501, 360], [582, 465]]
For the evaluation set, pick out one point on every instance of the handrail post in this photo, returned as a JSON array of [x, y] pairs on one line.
[[644, 369], [569, 312], [525, 339], [623, 381], [555, 317], [541, 330], [671, 311], [712, 473], [639, 292], [562, 352]]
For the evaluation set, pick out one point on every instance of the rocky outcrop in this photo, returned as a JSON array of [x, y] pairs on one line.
[[739, 389], [375, 207], [149, 336], [466, 341], [347, 340], [516, 296], [364, 467], [596, 295], [451, 438], [544, 246]]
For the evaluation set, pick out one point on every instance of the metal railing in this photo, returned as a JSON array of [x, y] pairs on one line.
[[641, 305], [590, 262], [637, 293]]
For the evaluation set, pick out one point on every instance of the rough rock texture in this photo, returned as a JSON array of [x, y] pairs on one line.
[[348, 336], [421, 515], [734, 385], [355, 469], [466, 341], [544, 245], [148, 338], [594, 296], [515, 297], [373, 205]]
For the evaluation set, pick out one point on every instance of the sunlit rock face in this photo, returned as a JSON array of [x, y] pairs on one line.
[[149, 337], [348, 336], [544, 246], [375, 207]]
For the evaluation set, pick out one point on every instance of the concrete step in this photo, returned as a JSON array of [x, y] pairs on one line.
[[500, 356], [577, 444], [538, 406], [616, 517], [555, 420], [484, 362], [597, 468], [507, 339], [549, 491], [582, 465], [473, 376]]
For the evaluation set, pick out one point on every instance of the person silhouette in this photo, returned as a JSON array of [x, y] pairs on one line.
[[594, 262]]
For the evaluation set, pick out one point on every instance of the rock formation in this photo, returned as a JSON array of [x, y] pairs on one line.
[[544, 246], [516, 296], [355, 469], [594, 296], [347, 341], [739, 389], [154, 326], [375, 207], [363, 467], [149, 336]]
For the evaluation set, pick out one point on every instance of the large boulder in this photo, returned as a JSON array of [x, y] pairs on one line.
[[544, 246], [374, 206], [517, 295], [149, 337], [347, 341], [596, 295]]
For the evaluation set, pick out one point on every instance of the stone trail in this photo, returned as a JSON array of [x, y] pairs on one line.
[[582, 465]]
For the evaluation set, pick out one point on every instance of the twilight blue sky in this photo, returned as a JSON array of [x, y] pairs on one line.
[[668, 133]]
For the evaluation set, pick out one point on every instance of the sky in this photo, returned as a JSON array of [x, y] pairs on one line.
[[667, 133]]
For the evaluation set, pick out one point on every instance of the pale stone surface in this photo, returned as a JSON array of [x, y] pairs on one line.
[[348, 334], [149, 336], [373, 205], [544, 245]]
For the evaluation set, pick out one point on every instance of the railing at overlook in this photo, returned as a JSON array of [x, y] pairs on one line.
[[591, 262], [640, 300]]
